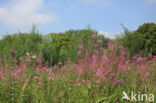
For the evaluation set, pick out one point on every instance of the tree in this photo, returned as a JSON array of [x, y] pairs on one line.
[[141, 41]]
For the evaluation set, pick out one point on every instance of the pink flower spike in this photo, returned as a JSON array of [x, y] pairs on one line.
[[111, 47], [105, 58], [100, 72], [94, 58], [93, 36], [139, 59]]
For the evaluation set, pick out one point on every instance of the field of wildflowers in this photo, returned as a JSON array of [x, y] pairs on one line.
[[99, 75]]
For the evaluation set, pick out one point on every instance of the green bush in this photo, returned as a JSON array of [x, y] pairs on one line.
[[58, 49], [18, 45], [148, 31], [141, 41]]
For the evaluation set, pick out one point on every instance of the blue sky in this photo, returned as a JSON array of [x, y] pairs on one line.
[[105, 16]]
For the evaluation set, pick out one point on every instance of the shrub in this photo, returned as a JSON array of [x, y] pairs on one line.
[[18, 45], [64, 46], [58, 49], [142, 41]]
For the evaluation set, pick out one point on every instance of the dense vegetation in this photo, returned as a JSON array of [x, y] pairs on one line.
[[55, 47], [141, 41], [77, 66]]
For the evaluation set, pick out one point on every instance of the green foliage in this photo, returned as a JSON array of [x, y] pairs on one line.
[[142, 41], [19, 44], [84, 36], [148, 31], [58, 49], [64, 46]]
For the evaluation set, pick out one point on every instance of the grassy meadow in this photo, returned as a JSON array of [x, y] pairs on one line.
[[76, 67]]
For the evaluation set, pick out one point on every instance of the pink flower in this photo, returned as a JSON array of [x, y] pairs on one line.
[[94, 58], [1, 77], [17, 72], [50, 78], [154, 57], [5, 83], [126, 62], [116, 81], [123, 52], [59, 63], [38, 69], [111, 46], [93, 36], [80, 46], [29, 57], [35, 77], [114, 74], [138, 59], [100, 72], [135, 57], [105, 59]]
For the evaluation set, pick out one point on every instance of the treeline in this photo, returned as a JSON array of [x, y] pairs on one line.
[[60, 47]]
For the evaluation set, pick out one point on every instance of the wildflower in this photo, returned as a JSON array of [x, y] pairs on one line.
[[18, 71], [59, 63], [101, 49], [100, 72], [38, 69], [123, 52], [27, 54], [105, 59], [111, 46], [34, 57], [138, 59], [114, 74], [93, 36], [5, 83], [50, 78], [126, 62], [35, 77], [116, 81], [154, 57], [29, 57], [1, 77], [94, 58], [80, 46], [135, 57]]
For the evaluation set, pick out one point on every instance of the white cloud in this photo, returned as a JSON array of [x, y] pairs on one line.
[[111, 35], [98, 2], [24, 13]]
